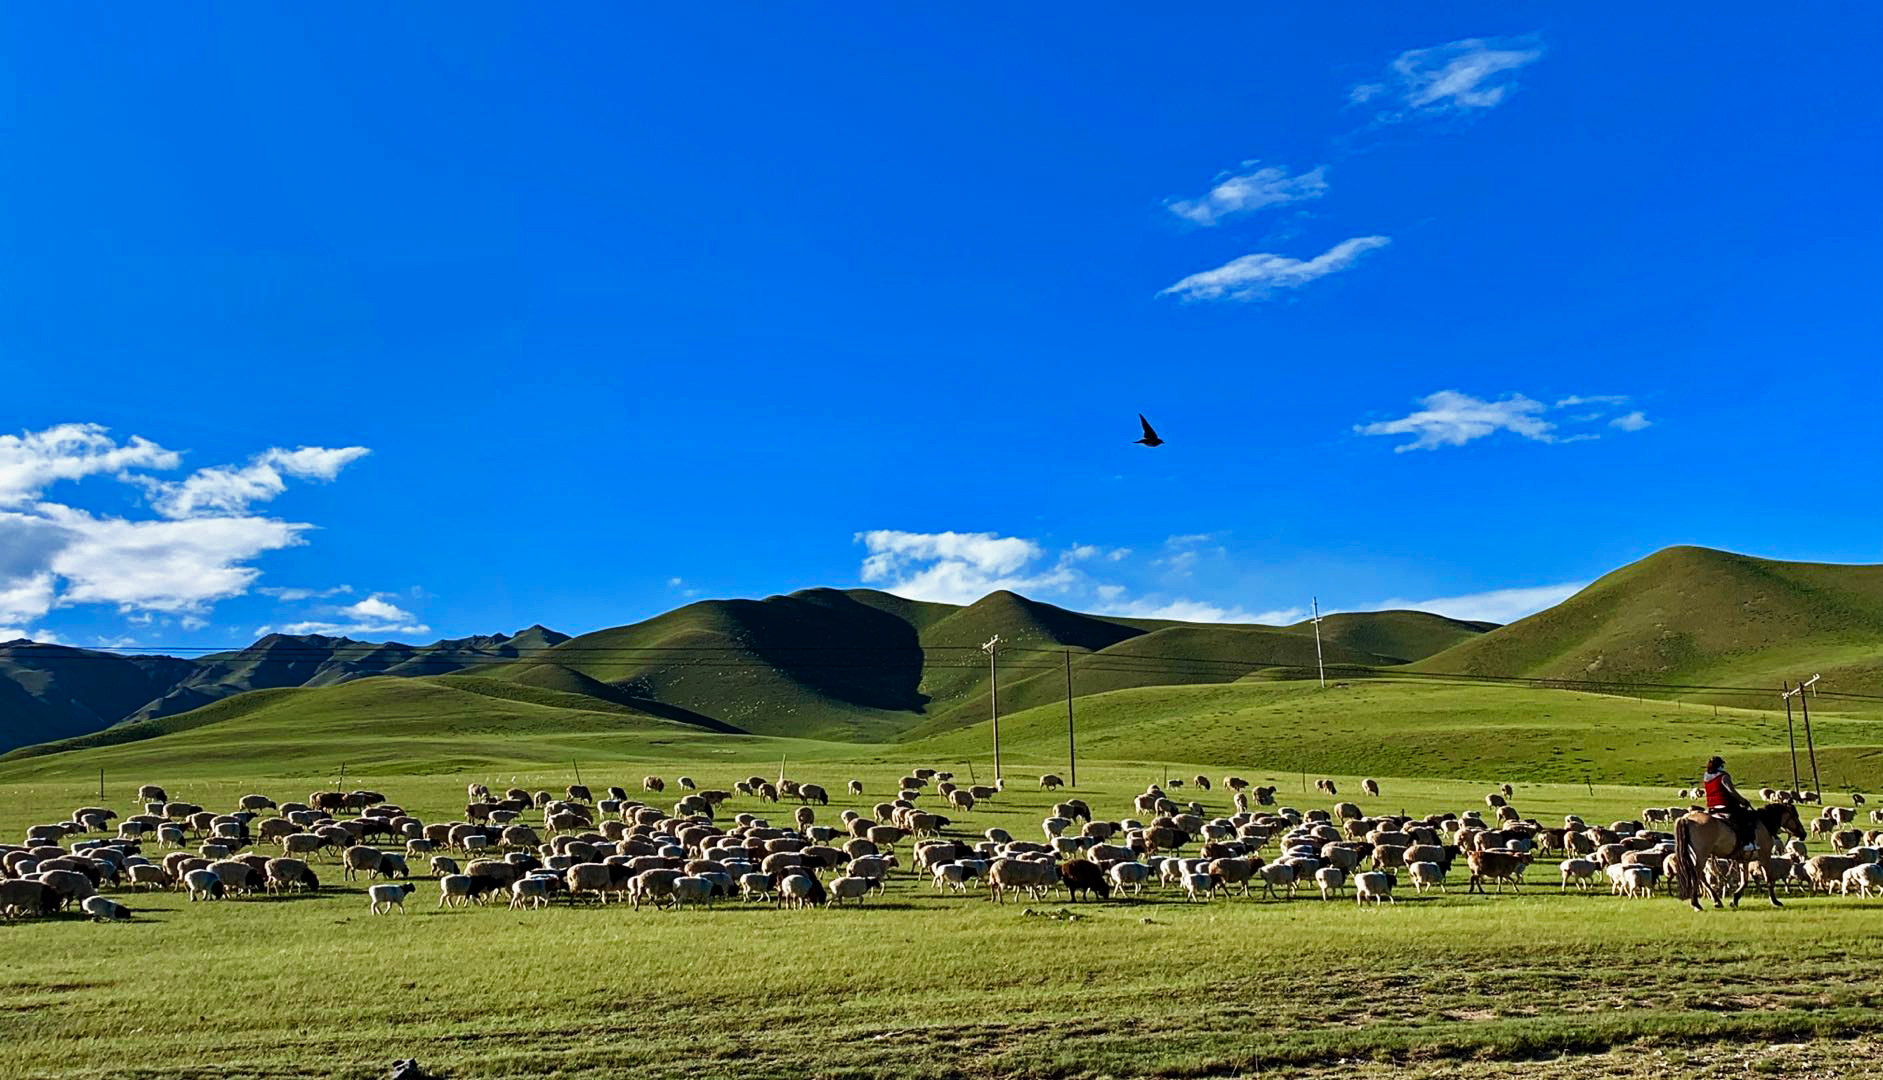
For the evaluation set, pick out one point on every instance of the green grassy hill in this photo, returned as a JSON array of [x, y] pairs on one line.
[[1699, 616]]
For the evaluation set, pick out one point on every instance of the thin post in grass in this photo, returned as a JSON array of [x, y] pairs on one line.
[[578, 771], [1817, 786], [1791, 736], [101, 785], [992, 649], [1072, 748]]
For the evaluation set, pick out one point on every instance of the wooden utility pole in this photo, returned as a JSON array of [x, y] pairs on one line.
[[1319, 664], [1804, 707], [1072, 746], [992, 649]]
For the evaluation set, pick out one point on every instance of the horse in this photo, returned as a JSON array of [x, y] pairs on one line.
[[1699, 837]]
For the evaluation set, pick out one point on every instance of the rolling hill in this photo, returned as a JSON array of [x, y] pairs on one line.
[[1697, 616], [852, 665]]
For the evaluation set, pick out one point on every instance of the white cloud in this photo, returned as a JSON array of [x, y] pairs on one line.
[[1243, 193], [14, 633], [1634, 421], [121, 642], [1461, 76], [1591, 399], [376, 614], [1256, 277], [227, 489], [957, 568], [32, 461], [1280, 616], [167, 566], [1497, 605], [201, 551], [1188, 539], [1450, 418], [674, 582]]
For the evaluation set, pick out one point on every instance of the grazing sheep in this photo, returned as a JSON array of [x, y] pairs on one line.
[[653, 783], [801, 891], [1131, 875], [387, 897], [1199, 886], [1007, 875], [1374, 885], [1370, 787], [1277, 875], [1050, 782], [1499, 866], [856, 787], [1425, 875], [1634, 881], [359, 858], [204, 884], [149, 874], [103, 909], [755, 886]]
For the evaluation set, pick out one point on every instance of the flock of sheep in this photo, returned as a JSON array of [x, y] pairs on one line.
[[691, 852]]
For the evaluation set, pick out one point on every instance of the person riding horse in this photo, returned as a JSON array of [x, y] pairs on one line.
[[1722, 798]]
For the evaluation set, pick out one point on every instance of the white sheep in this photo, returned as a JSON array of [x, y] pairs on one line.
[[1866, 878], [205, 882], [1199, 886], [1425, 875], [848, 888], [533, 891], [1330, 879], [1580, 871], [388, 897], [104, 909], [1129, 875], [1374, 885]]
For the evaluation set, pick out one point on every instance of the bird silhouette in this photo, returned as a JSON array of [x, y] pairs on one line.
[[1150, 434]]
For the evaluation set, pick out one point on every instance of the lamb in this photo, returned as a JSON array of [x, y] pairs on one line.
[[1200, 886], [856, 787], [1425, 875], [1374, 885], [1633, 880], [1050, 782], [103, 909], [388, 897]]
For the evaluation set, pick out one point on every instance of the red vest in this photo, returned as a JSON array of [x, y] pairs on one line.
[[1715, 790]]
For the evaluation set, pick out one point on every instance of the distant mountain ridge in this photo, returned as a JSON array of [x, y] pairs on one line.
[[57, 691]]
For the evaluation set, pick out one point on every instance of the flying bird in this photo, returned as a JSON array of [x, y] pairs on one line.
[[1150, 434]]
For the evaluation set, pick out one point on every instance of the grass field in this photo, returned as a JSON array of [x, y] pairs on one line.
[[921, 984]]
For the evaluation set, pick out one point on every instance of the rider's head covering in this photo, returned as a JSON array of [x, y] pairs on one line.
[[1716, 762]]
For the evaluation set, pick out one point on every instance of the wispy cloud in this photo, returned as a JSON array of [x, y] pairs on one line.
[[229, 490], [1452, 418], [1634, 421], [1496, 605], [1260, 276], [1235, 194], [1180, 609], [294, 595], [1458, 77], [1449, 418]]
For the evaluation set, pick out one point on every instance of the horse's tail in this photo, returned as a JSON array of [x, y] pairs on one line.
[[1687, 874]]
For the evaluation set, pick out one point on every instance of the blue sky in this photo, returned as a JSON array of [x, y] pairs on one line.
[[438, 320]]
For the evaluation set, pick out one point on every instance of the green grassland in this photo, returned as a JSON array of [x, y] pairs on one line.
[[923, 984]]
